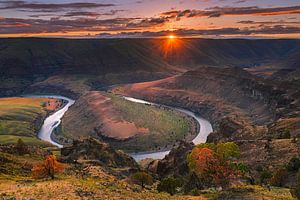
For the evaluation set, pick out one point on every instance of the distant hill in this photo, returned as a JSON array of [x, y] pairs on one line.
[[45, 56]]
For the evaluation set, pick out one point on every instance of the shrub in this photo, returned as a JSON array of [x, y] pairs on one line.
[[259, 168], [169, 185], [142, 179], [195, 192], [279, 177], [293, 165], [241, 167], [285, 134], [265, 176], [297, 189], [21, 148], [48, 168]]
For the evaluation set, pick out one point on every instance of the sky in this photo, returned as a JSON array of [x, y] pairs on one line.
[[150, 18]]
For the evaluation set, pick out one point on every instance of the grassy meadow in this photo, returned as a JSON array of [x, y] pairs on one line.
[[165, 126], [21, 118]]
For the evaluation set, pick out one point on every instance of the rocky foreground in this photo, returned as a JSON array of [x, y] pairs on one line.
[[93, 170]]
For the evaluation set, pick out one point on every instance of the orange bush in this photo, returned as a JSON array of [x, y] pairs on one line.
[[210, 165], [202, 158], [48, 168]]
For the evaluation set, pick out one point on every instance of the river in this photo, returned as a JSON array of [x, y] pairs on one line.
[[53, 121], [204, 131]]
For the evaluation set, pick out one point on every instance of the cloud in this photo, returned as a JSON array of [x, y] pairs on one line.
[[131, 27], [223, 11], [262, 23], [148, 22], [241, 1], [278, 29], [79, 17], [49, 6], [78, 14], [56, 24], [81, 13], [59, 25]]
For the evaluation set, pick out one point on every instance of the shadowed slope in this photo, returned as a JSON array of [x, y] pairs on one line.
[[33, 56]]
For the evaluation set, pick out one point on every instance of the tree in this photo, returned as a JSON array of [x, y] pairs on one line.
[[169, 185], [214, 162], [142, 179], [21, 148], [200, 159], [227, 150], [48, 168]]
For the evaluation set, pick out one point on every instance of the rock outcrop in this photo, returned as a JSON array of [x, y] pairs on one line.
[[175, 163], [97, 152]]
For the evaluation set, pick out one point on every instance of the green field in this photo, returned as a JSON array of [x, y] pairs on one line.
[[21, 118], [165, 126]]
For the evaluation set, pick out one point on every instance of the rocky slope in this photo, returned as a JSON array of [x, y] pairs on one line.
[[97, 152]]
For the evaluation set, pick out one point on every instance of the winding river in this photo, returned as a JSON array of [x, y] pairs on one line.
[[53, 121], [204, 131]]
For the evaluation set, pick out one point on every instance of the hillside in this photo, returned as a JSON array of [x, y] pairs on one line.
[[72, 66], [233, 99], [23, 56]]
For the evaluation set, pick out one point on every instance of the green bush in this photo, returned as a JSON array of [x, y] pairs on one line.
[[142, 179], [241, 167], [265, 176], [169, 185], [293, 165]]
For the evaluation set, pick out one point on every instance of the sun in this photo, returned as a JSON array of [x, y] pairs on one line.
[[171, 37]]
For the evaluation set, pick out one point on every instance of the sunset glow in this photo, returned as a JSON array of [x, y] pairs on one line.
[[131, 18]]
